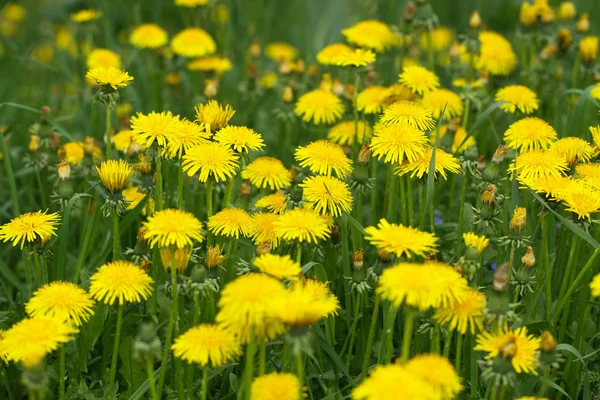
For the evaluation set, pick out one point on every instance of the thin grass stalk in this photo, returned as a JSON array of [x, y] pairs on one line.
[[61, 372], [115, 354], [357, 303], [107, 134], [159, 182], [409, 320], [370, 338], [262, 358], [389, 333], [10, 175], [567, 274], [204, 393], [448, 343], [151, 380], [249, 366], [115, 226]]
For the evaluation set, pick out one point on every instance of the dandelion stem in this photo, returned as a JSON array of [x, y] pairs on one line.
[[262, 358], [546, 265], [461, 209], [299, 253], [151, 382], [42, 190], [107, 134], [565, 281], [248, 369], [474, 370], [38, 268], [411, 212], [370, 338], [61, 373], [374, 193], [180, 188], [172, 316], [159, 182], [448, 343], [389, 334], [391, 195], [204, 393], [115, 354], [357, 302], [458, 356], [228, 193], [299, 369], [209, 207], [409, 319], [115, 221]]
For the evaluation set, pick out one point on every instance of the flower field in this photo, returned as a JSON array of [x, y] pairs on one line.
[[324, 200]]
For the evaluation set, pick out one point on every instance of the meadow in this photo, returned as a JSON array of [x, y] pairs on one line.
[[302, 199]]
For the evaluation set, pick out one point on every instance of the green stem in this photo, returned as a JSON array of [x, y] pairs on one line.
[[567, 274], [180, 188], [204, 393], [448, 343], [42, 190], [175, 311], [262, 358], [159, 182], [115, 354], [466, 112], [458, 356], [391, 200], [10, 175], [409, 320], [474, 370], [374, 193], [430, 55], [195, 322], [403, 216], [299, 370], [171, 327], [151, 382], [38, 268], [115, 223], [546, 265], [389, 334], [411, 211], [370, 338], [299, 253], [228, 193], [357, 303], [461, 209], [249, 367], [107, 134], [576, 68], [61, 373]]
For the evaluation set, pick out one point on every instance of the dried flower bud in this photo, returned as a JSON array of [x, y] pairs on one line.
[[528, 259], [338, 87], [245, 190], [142, 233], [489, 195], [214, 257], [383, 255], [357, 259], [264, 247], [64, 170], [145, 265], [475, 20], [313, 70], [34, 143], [409, 11], [364, 155], [499, 154], [549, 51], [492, 170], [519, 219], [90, 145], [547, 342], [501, 278], [288, 94], [46, 110]]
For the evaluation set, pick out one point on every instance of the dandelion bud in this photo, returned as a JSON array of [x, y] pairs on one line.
[[364, 155], [357, 259], [528, 259], [180, 257], [89, 145], [492, 170], [198, 274], [475, 20], [588, 49], [519, 219], [296, 194], [173, 79], [147, 344], [254, 50], [335, 235], [338, 88], [214, 257], [313, 70], [549, 51], [300, 67], [293, 172], [481, 162], [115, 175], [264, 247], [211, 88], [567, 10], [245, 190], [285, 67], [547, 342], [501, 278], [54, 141], [565, 39], [471, 153], [145, 166], [383, 256], [409, 12], [145, 265], [46, 110], [583, 23], [34, 143], [455, 50], [489, 195], [64, 170], [499, 154], [288, 94]]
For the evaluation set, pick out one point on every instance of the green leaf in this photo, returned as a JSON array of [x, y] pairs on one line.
[[569, 224], [89, 335], [132, 215], [308, 266], [64, 237], [324, 344], [480, 120], [556, 387], [431, 174], [575, 119], [144, 387], [354, 222], [570, 349], [10, 276]]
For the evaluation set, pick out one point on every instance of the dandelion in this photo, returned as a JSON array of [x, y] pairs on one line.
[[148, 36], [306, 302], [437, 39], [403, 241], [529, 133], [193, 42], [519, 219], [239, 138], [267, 172], [573, 149], [115, 78], [437, 100], [589, 173], [372, 99], [303, 225], [213, 116], [281, 51], [264, 229], [398, 142], [464, 314], [320, 107], [519, 98], [276, 386], [580, 199], [86, 15], [279, 267], [459, 144], [355, 58], [73, 152], [122, 140], [275, 202], [595, 286], [445, 380], [443, 162], [187, 135], [172, 227], [154, 128], [536, 164], [210, 159], [323, 157], [346, 132], [245, 311], [206, 344], [479, 243], [34, 228], [190, 3], [371, 34], [63, 301], [397, 92], [206, 64], [214, 257], [393, 381], [231, 222], [588, 49], [120, 280], [496, 54], [408, 112], [330, 54], [595, 131], [420, 80], [133, 197], [103, 58], [515, 345], [115, 174], [31, 339], [327, 195]]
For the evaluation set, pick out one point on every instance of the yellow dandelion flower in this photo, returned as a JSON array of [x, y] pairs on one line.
[[588, 49], [207, 64], [122, 280], [193, 42], [372, 99], [393, 381], [122, 140], [319, 106], [186, 135], [573, 149], [73, 152], [438, 99], [420, 80], [133, 197], [172, 227], [306, 302], [210, 159], [86, 15], [551, 186], [115, 174], [473, 241], [567, 10], [595, 131], [267, 172], [397, 92], [421, 286], [518, 97], [459, 140], [408, 112], [213, 116], [398, 142], [303, 225], [589, 173], [231, 222], [3, 350], [206, 344], [275, 202], [595, 286], [371, 34], [345, 133], [103, 58], [355, 58], [323, 157], [437, 39], [280, 267], [529, 133], [281, 51], [268, 80], [275, 386], [327, 195], [443, 162], [239, 138], [515, 345], [580, 199], [31, 339], [244, 310], [519, 218], [445, 380], [264, 229], [403, 241], [64, 301], [154, 128], [497, 56], [330, 54], [13, 12], [34, 228], [464, 314], [538, 164], [148, 36], [190, 3]]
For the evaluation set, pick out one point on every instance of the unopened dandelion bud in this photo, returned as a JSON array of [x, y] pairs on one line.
[[487, 212], [335, 235], [383, 256], [46, 110], [293, 172], [285, 67], [312, 70], [300, 67], [528, 259], [471, 153], [471, 254], [296, 194], [583, 23], [357, 259], [64, 170], [254, 50], [567, 10], [173, 79], [198, 274], [147, 344], [338, 88], [214, 256], [364, 155], [211, 88], [519, 219], [89, 145], [501, 278], [34, 143], [489, 195], [492, 170], [145, 265], [287, 95], [475, 20], [499, 154], [409, 12], [547, 342], [565, 39]]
